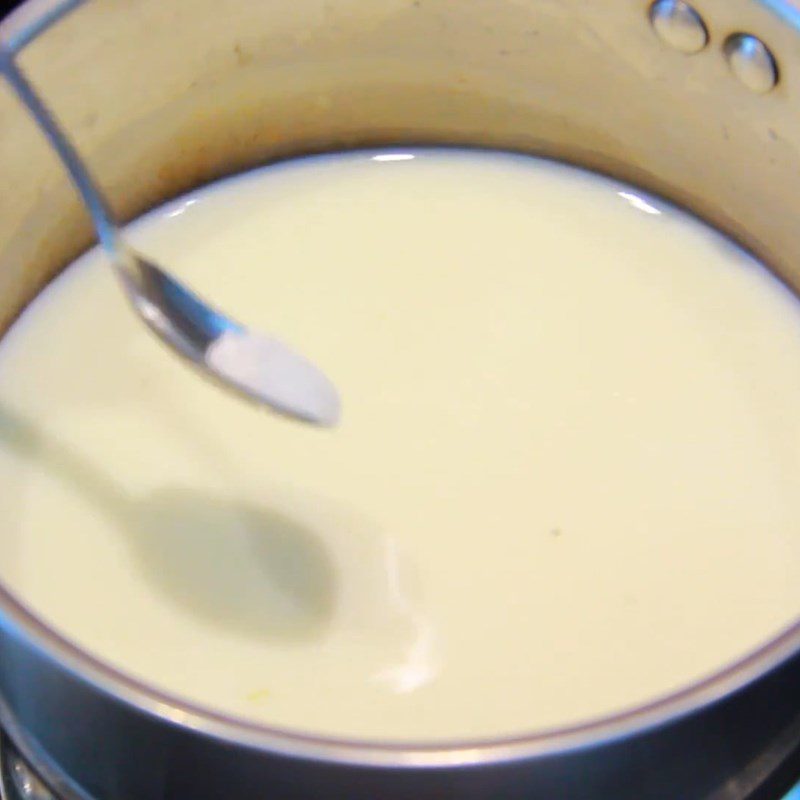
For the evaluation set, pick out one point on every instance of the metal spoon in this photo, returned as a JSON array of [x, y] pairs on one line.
[[255, 366]]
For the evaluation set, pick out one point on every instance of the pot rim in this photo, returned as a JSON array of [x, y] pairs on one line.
[[173, 710]]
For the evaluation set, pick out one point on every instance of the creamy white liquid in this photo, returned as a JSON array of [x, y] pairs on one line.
[[566, 480]]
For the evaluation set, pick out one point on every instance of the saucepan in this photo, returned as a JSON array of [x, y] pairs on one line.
[[700, 104]]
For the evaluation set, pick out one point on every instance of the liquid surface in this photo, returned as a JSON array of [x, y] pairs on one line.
[[565, 482]]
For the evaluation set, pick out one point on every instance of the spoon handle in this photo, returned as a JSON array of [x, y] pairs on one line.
[[102, 215]]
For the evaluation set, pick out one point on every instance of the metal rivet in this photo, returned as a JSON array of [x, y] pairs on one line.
[[751, 62], [679, 25]]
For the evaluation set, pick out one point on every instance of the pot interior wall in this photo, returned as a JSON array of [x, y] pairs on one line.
[[163, 96]]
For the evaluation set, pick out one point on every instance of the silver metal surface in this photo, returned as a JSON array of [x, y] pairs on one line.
[[25, 781], [678, 25], [221, 92], [260, 368], [751, 62], [18, 780]]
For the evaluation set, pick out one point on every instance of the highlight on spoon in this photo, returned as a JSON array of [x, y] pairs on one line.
[[269, 370]]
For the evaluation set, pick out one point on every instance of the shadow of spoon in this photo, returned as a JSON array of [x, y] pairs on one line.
[[251, 570]]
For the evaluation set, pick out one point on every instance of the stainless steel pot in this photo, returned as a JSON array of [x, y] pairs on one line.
[[162, 95]]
